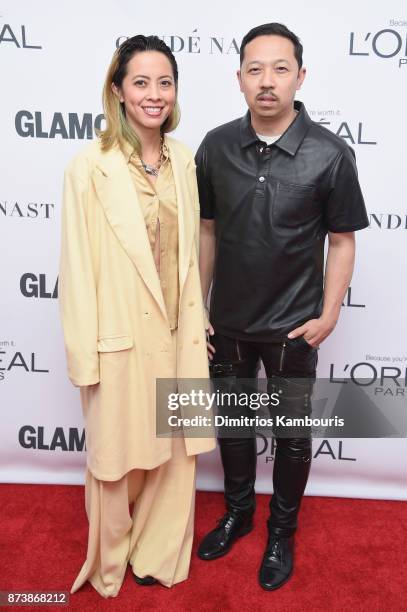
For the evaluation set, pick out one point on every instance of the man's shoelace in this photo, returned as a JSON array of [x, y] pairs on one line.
[[274, 549], [226, 521]]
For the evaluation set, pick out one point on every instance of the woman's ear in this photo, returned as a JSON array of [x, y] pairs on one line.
[[117, 92]]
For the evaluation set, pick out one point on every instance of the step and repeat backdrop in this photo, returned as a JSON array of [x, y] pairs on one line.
[[53, 59]]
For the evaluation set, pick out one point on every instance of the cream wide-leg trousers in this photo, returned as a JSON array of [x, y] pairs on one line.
[[155, 538]]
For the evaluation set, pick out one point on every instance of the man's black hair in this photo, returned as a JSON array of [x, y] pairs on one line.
[[277, 29]]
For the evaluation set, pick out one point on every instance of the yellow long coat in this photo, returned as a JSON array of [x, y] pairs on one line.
[[116, 331]]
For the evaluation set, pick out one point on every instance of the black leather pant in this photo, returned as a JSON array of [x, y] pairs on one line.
[[282, 361]]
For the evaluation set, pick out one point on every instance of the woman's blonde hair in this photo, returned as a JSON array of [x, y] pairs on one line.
[[118, 130]]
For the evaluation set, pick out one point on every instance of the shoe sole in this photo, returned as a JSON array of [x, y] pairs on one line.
[[278, 586], [245, 531]]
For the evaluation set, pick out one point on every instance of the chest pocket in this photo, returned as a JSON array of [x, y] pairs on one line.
[[294, 205]]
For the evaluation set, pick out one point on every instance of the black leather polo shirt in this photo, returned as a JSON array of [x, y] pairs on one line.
[[273, 206]]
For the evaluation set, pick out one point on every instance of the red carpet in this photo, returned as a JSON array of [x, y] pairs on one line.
[[350, 555]]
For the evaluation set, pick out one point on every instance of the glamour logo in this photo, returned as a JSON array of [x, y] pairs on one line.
[[36, 286], [333, 449], [17, 36], [26, 210], [386, 44], [387, 221], [193, 43], [354, 133], [36, 438], [73, 126], [10, 361]]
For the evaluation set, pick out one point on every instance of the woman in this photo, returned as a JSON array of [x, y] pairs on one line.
[[132, 312]]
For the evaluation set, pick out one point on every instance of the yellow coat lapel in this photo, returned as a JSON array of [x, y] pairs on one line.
[[118, 197], [185, 212]]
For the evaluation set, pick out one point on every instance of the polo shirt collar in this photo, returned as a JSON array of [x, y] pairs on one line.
[[292, 138]]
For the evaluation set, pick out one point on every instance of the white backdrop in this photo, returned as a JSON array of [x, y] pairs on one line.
[[53, 58]]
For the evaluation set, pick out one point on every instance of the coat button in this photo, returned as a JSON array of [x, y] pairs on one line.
[[196, 340], [191, 263], [261, 179], [192, 303]]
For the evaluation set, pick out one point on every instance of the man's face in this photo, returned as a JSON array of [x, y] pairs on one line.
[[269, 76]]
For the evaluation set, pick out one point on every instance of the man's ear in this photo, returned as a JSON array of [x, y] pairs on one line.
[[239, 78], [117, 92], [301, 76]]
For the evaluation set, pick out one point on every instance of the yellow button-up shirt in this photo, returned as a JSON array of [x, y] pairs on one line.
[[158, 203]]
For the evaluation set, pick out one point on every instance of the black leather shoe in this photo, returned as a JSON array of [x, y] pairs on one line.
[[277, 564], [219, 541], [146, 581]]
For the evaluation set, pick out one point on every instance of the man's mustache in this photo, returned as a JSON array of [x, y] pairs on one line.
[[268, 94]]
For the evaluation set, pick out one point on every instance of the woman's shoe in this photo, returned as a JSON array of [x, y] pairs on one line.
[[146, 581]]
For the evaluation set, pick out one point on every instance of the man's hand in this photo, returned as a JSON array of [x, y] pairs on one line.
[[209, 332], [211, 349], [338, 274], [206, 264], [314, 331]]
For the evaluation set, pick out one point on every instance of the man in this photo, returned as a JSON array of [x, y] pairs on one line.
[[272, 186]]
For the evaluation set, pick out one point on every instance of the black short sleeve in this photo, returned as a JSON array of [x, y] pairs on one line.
[[345, 209], [206, 198]]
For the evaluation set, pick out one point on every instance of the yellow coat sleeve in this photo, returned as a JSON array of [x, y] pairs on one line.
[[197, 218], [77, 285], [195, 202]]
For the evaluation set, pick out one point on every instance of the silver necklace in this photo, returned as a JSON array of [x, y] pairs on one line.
[[153, 169]]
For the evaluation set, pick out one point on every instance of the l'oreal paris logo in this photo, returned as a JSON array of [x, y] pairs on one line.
[[335, 449], [16, 36], [385, 44]]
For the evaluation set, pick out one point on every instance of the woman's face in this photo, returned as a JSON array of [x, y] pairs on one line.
[[148, 90]]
